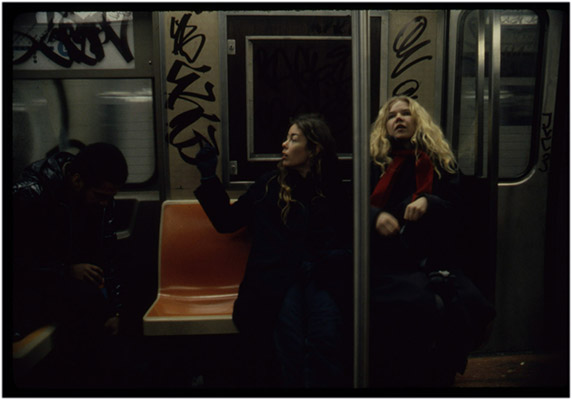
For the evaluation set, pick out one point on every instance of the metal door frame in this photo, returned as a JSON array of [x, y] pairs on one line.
[[224, 88], [498, 188]]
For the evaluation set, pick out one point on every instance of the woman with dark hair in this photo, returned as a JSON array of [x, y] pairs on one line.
[[300, 218]]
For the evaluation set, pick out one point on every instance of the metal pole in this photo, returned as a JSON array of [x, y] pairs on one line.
[[361, 100], [159, 86], [493, 131], [480, 91]]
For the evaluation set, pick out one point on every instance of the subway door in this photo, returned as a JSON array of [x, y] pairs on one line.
[[280, 64], [503, 76]]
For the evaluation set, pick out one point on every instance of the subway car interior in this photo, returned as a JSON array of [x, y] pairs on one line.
[[161, 81]]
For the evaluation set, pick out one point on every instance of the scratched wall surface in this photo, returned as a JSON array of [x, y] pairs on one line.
[[192, 91], [412, 55]]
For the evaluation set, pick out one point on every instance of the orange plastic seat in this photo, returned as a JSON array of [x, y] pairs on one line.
[[199, 273]]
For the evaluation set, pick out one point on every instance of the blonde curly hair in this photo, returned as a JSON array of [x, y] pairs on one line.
[[428, 137]]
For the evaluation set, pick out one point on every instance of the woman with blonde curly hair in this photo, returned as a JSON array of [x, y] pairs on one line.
[[409, 151], [290, 303], [426, 315], [426, 135]]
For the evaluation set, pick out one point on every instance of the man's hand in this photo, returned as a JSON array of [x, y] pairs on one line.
[[112, 326], [386, 224], [88, 272]]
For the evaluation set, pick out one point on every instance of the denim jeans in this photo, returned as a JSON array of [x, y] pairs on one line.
[[308, 338]]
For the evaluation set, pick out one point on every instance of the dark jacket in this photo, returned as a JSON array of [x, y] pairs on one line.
[[404, 284], [428, 239], [314, 244], [51, 233]]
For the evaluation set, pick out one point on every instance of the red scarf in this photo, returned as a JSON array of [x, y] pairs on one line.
[[423, 177]]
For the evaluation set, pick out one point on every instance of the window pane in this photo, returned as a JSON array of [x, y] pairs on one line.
[[520, 51], [291, 76], [118, 111], [520, 34], [468, 115]]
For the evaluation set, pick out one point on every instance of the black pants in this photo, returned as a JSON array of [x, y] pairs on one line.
[[309, 339], [83, 352]]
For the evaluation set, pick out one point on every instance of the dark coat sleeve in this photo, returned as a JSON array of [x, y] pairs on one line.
[[225, 216], [374, 176], [445, 196]]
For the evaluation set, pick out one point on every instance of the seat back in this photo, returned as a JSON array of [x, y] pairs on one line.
[[193, 256]]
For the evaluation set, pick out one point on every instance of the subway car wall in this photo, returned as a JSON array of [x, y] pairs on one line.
[[162, 84]]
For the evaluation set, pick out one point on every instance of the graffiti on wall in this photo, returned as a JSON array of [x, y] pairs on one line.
[[187, 73], [546, 141], [73, 40], [317, 73], [408, 48]]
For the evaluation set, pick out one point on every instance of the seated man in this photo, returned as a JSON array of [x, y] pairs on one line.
[[62, 241]]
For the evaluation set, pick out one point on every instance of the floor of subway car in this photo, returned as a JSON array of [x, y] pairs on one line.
[[544, 370], [163, 366], [137, 365]]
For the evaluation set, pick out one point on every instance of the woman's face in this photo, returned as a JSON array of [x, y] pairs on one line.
[[295, 153], [400, 124]]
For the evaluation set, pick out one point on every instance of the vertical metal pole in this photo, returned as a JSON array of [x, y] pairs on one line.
[[454, 95], [361, 122], [494, 95], [223, 93], [480, 94], [493, 131], [160, 89]]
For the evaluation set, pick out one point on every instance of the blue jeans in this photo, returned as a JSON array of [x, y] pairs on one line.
[[308, 338]]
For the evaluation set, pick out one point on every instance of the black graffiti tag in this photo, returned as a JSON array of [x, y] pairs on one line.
[[187, 118], [336, 27], [185, 81], [183, 40], [319, 77], [184, 76], [76, 40], [546, 141], [405, 46]]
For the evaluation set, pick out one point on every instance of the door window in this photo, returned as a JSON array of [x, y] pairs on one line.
[[280, 66], [521, 57]]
